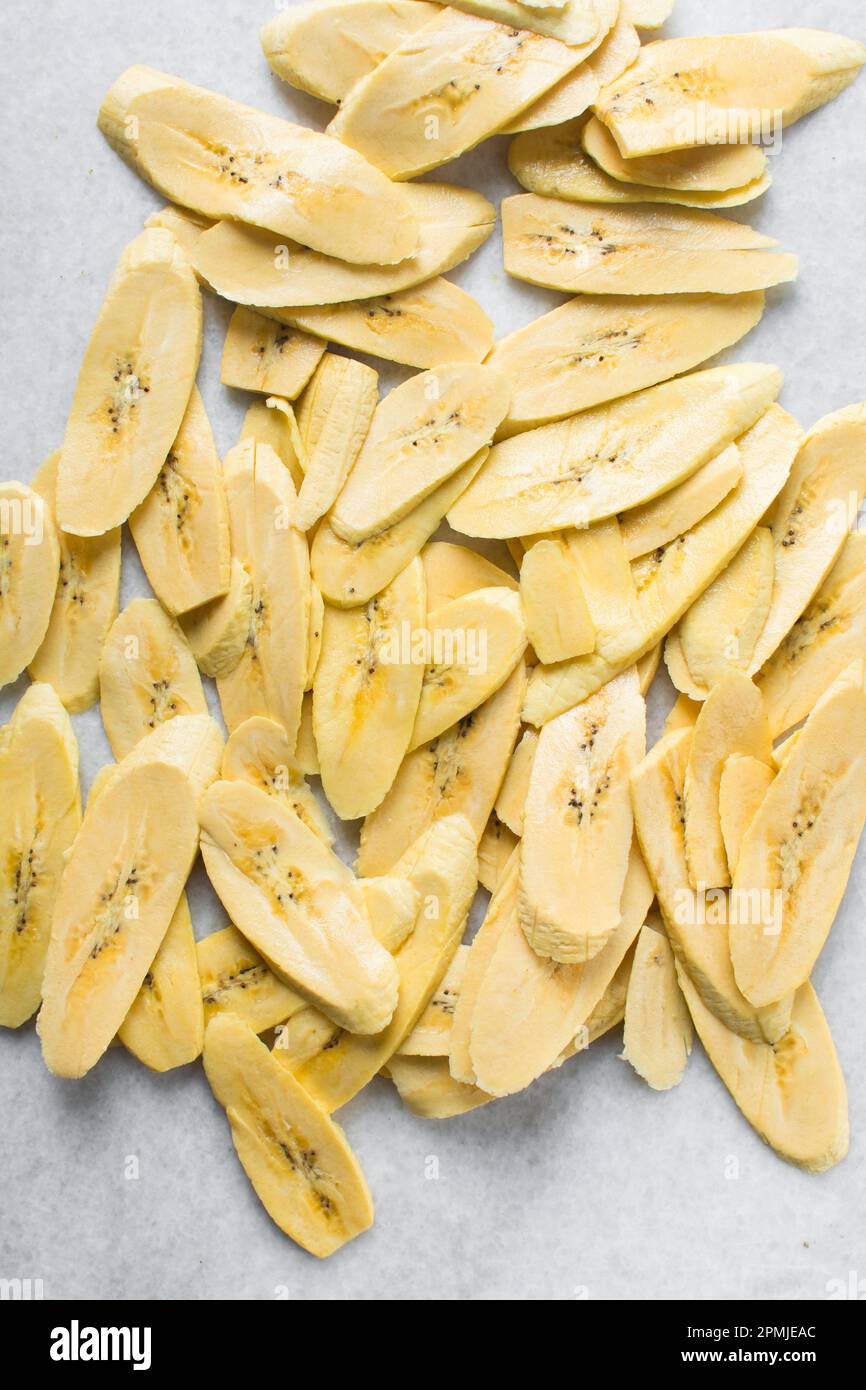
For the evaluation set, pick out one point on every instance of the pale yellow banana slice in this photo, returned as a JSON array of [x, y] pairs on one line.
[[742, 787], [181, 529], [829, 635], [259, 752], [591, 248], [577, 824], [217, 632], [261, 355], [366, 693], [392, 906], [165, 1026], [593, 350], [120, 888], [429, 325], [573, 21], [147, 675], [427, 1088], [501, 915], [334, 418], [251, 266], [460, 771], [191, 742], [725, 88], [799, 848], [39, 818], [511, 801], [671, 581], [85, 606], [792, 1093], [647, 14], [450, 571], [306, 753], [659, 522], [474, 644], [133, 386], [299, 1161], [186, 227], [429, 1037], [224, 159], [605, 577], [495, 848], [29, 570], [704, 169], [236, 980], [295, 901], [576, 92], [558, 621], [614, 457], [657, 1037], [271, 675], [273, 422]]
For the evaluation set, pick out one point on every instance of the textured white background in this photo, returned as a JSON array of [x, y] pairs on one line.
[[588, 1184]]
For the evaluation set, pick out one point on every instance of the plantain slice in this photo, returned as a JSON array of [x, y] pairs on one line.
[[647, 14], [29, 569], [558, 627], [186, 227], [704, 169], [217, 632], [495, 848], [646, 668], [392, 906], [575, 22], [429, 1037], [85, 606], [450, 571], [459, 771], [235, 979], [511, 801], [659, 522], [427, 1088], [334, 418], [273, 422], [600, 558], [743, 785], [500, 915], [264, 356], [147, 675], [574, 94], [298, 1161], [164, 1028], [259, 752], [306, 753], [40, 816], [657, 1037], [791, 1092]]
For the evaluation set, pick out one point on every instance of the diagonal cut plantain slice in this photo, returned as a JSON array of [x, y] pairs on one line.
[[704, 169], [259, 752], [511, 801], [29, 570], [261, 355], [235, 979], [743, 785], [563, 628], [334, 418], [575, 93], [429, 1037], [147, 675], [454, 570], [657, 1037], [659, 522], [165, 1026]]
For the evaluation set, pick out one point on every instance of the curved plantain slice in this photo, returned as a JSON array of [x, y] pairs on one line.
[[703, 169], [792, 1092], [576, 92], [298, 1161], [495, 848], [429, 325], [252, 266], [593, 350], [555, 611], [657, 1037], [273, 422], [259, 752], [85, 606], [147, 675], [427, 1088], [133, 387], [659, 522], [235, 979], [744, 783], [577, 824], [616, 456], [392, 906], [692, 91], [594, 248], [799, 848], [39, 818], [186, 227], [429, 1037], [366, 693], [458, 771], [271, 675], [120, 888], [193, 743], [181, 529], [29, 569], [264, 356], [296, 902], [830, 633], [511, 801], [452, 570], [334, 418], [224, 159], [217, 632], [165, 1026]]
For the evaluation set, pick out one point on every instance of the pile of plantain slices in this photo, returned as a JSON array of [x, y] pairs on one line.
[[482, 717]]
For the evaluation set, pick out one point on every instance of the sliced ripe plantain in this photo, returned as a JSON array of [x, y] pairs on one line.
[[501, 913], [724, 88], [669, 582], [251, 266], [647, 666], [429, 1037], [296, 902], [392, 906], [683, 714], [427, 1088], [558, 621], [40, 816], [271, 675], [259, 752], [133, 387], [576, 92], [704, 169], [366, 693], [743, 785], [426, 326], [29, 570], [306, 753], [314, 640], [165, 1026], [235, 979], [264, 356], [830, 633], [334, 418], [85, 606], [186, 227], [452, 570], [473, 645], [217, 632], [224, 159], [574, 22], [459, 771], [593, 350], [616, 456], [147, 675], [448, 87], [657, 1037], [792, 1093], [298, 1161], [593, 248], [120, 888], [181, 529], [351, 574], [495, 848], [273, 422], [193, 743], [648, 14], [577, 824], [799, 848], [659, 522], [511, 801], [605, 576]]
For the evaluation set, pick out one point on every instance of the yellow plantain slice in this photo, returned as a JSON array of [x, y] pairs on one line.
[[573, 21], [742, 787], [647, 14], [511, 801], [429, 1037], [555, 611], [454, 570], [259, 752], [334, 418], [657, 1037], [165, 1026], [659, 522], [576, 92], [260, 355], [495, 848], [704, 169], [235, 979], [147, 675], [273, 422], [29, 570], [217, 632]]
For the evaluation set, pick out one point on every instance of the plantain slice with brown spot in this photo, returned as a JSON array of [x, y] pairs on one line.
[[264, 356]]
